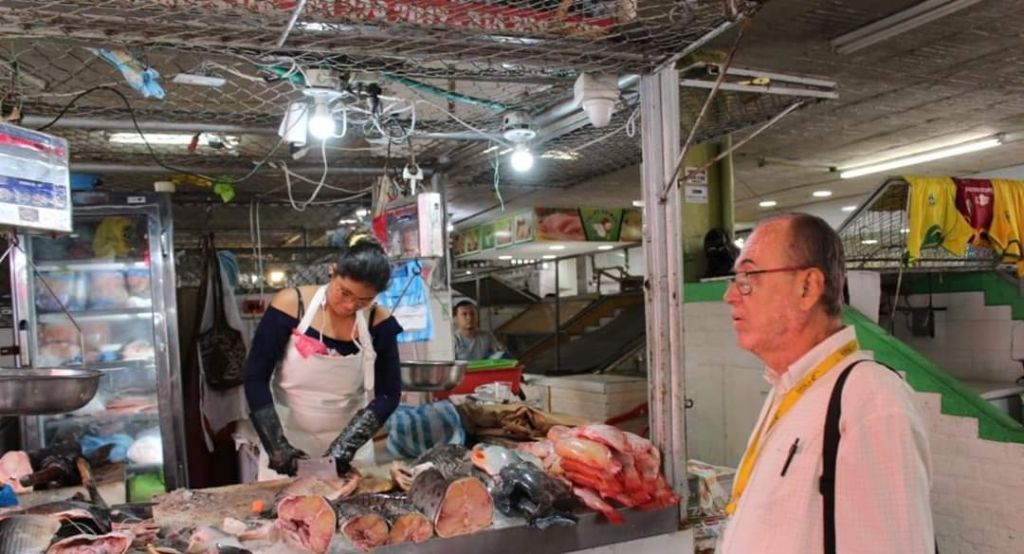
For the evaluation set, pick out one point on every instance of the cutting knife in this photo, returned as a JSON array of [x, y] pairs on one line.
[[317, 467]]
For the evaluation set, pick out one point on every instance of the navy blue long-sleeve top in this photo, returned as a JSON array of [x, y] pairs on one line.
[[271, 339]]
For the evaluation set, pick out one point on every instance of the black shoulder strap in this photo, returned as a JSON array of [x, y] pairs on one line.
[[302, 307], [829, 451]]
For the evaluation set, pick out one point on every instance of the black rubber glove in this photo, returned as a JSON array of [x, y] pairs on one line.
[[283, 456], [356, 433]]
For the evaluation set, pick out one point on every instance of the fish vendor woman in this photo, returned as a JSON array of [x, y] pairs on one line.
[[323, 374]]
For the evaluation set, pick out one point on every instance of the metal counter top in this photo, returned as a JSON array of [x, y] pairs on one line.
[[513, 535]]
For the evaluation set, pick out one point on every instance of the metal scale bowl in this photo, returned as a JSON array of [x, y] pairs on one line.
[[46, 391], [422, 376]]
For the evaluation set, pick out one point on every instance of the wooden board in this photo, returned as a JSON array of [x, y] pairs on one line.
[[186, 508]]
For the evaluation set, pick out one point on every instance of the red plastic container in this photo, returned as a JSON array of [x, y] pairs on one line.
[[474, 378]]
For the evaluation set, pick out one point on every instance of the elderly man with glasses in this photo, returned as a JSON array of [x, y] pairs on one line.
[[838, 460]]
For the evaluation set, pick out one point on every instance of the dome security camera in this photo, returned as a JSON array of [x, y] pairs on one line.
[[598, 95]]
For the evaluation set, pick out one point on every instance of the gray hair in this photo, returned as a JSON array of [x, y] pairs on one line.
[[814, 243]]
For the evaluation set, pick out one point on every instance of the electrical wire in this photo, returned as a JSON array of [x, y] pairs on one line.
[[135, 122], [484, 134], [497, 179], [319, 186], [149, 147], [630, 122]]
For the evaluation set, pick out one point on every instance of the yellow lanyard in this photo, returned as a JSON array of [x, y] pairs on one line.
[[788, 401]]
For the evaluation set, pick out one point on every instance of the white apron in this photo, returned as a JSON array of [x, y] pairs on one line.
[[316, 396]]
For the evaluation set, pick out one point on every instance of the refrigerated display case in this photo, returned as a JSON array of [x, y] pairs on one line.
[[114, 275]]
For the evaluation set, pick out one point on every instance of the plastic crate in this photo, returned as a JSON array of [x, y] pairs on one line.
[[486, 371]]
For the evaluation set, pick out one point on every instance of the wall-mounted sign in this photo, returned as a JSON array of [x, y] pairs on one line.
[[34, 180], [695, 194]]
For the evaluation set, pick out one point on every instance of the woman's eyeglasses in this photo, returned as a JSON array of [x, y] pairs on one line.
[[351, 298]]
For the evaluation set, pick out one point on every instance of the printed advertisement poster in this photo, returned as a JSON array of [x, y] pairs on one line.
[[559, 224], [601, 224], [632, 226], [471, 242], [503, 232], [524, 227], [487, 237], [34, 180]]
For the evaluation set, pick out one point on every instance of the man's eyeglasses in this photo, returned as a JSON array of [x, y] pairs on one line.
[[742, 278]]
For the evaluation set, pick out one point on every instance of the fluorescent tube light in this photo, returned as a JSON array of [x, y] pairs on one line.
[[767, 203], [821, 193], [914, 159], [173, 139], [897, 24]]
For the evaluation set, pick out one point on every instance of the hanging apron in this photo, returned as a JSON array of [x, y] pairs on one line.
[[317, 395]]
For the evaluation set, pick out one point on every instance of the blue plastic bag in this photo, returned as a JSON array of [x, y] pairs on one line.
[[121, 442], [7, 497], [408, 300], [412, 430]]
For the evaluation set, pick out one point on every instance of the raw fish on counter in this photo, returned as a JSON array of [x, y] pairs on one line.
[[525, 490], [111, 543], [331, 488], [604, 463], [361, 525], [492, 458], [455, 506], [27, 533], [307, 522], [14, 465]]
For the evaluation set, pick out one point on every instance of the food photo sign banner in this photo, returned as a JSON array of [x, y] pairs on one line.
[[551, 225]]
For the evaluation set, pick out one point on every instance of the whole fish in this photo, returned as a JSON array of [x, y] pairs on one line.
[[525, 490], [27, 534], [492, 458]]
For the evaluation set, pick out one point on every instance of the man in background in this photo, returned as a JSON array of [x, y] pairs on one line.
[[471, 343], [786, 299]]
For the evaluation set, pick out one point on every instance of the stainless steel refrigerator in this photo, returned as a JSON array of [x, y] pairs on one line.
[[114, 275]]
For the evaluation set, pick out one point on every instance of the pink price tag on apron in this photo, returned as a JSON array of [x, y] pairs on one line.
[[307, 345]]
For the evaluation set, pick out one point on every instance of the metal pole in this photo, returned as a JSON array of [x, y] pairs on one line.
[[291, 23], [558, 321], [659, 111]]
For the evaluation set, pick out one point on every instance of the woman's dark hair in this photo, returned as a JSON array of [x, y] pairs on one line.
[[363, 259]]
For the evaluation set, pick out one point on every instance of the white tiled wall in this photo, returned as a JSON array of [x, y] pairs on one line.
[[978, 485], [972, 340]]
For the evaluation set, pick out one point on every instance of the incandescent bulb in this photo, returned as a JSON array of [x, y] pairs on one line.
[[521, 158], [321, 123]]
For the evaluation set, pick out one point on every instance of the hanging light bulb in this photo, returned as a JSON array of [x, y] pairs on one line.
[[321, 122], [521, 158]]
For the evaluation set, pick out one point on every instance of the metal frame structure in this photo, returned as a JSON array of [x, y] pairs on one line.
[[875, 237], [659, 100]]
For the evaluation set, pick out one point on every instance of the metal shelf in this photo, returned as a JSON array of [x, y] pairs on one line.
[[102, 417], [123, 365], [91, 265], [95, 315]]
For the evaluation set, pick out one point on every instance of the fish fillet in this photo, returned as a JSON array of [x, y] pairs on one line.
[[361, 525], [594, 502], [14, 465]]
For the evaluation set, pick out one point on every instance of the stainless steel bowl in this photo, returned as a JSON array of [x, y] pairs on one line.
[[46, 391], [432, 376]]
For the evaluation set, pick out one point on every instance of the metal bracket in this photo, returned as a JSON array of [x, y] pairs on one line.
[[412, 173]]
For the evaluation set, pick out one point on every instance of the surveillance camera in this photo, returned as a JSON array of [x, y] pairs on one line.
[[597, 94]]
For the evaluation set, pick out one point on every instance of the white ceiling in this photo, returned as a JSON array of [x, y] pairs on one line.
[[949, 81]]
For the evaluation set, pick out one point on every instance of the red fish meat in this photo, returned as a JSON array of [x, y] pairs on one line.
[[594, 502]]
